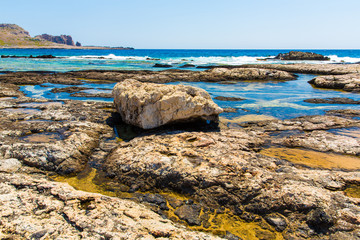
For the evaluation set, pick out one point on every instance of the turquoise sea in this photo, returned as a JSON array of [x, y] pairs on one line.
[[276, 99]]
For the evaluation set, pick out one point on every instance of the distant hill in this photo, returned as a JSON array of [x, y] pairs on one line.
[[14, 36]]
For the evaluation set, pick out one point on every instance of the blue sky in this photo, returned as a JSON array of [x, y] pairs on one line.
[[195, 24]]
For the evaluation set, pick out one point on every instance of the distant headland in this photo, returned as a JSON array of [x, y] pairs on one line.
[[14, 36]]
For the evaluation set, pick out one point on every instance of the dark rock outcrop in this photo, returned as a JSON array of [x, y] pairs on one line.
[[296, 55], [159, 65], [31, 56], [234, 99]]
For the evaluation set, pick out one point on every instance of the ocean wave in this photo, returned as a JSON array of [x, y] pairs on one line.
[[211, 60], [335, 58], [216, 60]]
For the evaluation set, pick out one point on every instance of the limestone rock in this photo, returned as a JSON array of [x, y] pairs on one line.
[[325, 69], [347, 82], [223, 169], [33, 207], [324, 141], [149, 105]]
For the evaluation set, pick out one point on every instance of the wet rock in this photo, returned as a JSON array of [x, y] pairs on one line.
[[221, 98], [332, 100], [9, 90], [230, 110], [323, 141], [31, 56], [57, 136], [223, 169], [32, 78], [149, 105], [344, 113], [278, 221], [347, 82], [306, 123], [47, 209], [296, 55], [158, 65], [190, 214], [187, 66], [319, 220], [92, 95], [69, 89], [173, 75]]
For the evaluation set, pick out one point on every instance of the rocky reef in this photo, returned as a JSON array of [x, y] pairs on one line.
[[273, 179], [297, 55]]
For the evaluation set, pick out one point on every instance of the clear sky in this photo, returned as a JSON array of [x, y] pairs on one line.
[[194, 24]]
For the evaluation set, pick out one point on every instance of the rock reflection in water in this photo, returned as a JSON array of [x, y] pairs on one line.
[[46, 137]]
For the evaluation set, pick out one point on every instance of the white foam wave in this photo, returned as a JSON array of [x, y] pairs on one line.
[[215, 60], [335, 58], [211, 60]]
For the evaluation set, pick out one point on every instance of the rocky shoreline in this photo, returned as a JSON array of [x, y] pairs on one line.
[[215, 181]]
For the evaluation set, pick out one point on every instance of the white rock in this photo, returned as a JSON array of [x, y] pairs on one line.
[[150, 105]]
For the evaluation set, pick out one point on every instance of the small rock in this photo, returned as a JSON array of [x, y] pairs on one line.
[[189, 213]]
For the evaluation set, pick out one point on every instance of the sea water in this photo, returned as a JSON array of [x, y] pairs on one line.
[[112, 59], [278, 99]]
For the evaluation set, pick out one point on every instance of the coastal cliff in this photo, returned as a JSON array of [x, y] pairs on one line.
[[14, 36]]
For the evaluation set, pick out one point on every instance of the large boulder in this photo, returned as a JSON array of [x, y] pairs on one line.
[[296, 55], [149, 105]]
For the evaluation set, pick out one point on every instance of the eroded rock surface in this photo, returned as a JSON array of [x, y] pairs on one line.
[[213, 75], [326, 69], [324, 141], [347, 82], [224, 169], [32, 207], [305, 123], [149, 105]]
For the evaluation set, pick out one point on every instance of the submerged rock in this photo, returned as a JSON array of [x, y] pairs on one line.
[[149, 105], [347, 82], [337, 100], [296, 55], [221, 98]]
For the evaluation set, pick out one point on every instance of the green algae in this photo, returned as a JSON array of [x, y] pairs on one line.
[[314, 159], [218, 222], [353, 190]]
